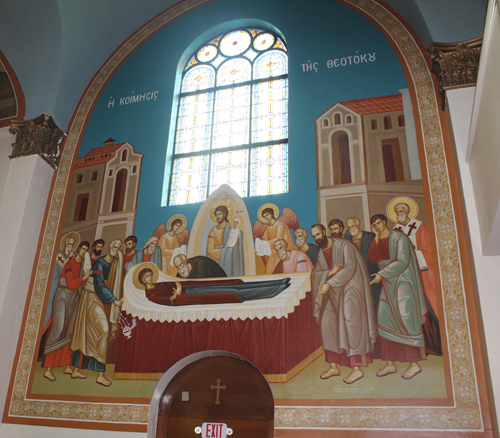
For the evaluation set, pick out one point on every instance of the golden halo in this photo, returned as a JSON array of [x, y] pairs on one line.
[[173, 218], [229, 206], [401, 199], [242, 221], [73, 234], [138, 270], [261, 209]]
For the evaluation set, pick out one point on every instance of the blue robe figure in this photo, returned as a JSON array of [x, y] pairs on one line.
[[230, 258]]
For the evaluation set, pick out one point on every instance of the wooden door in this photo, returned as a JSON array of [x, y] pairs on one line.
[[221, 389]]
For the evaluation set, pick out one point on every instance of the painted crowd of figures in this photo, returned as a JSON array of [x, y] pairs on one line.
[[373, 292]]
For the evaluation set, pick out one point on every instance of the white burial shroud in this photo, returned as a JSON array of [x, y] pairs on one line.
[[137, 305]]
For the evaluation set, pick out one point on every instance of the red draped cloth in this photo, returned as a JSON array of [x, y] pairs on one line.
[[62, 356], [274, 346]]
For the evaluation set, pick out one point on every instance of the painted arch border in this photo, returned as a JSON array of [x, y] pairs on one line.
[[18, 93], [464, 415]]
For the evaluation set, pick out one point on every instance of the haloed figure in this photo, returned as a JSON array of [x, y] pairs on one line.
[[94, 328], [64, 308], [401, 310]]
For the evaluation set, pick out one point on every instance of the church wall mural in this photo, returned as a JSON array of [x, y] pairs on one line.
[[240, 177]]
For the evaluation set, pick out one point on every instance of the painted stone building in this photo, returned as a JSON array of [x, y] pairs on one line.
[[103, 192], [366, 157], [64, 53]]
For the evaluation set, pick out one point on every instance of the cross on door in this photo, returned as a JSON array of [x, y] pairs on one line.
[[218, 387]]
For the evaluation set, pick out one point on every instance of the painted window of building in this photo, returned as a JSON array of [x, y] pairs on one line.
[[336, 119], [232, 121], [374, 124], [387, 122], [79, 178], [82, 203], [401, 121], [94, 176], [393, 162], [119, 192]]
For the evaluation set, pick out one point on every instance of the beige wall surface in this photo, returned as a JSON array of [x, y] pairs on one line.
[[485, 145]]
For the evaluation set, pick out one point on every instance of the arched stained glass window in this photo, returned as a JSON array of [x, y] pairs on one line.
[[232, 122]]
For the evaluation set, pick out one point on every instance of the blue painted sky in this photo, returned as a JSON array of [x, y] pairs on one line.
[[315, 32]]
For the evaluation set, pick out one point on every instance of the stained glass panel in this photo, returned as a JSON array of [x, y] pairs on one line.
[[235, 42], [263, 41], [207, 53], [215, 41], [218, 60], [234, 71], [191, 62], [232, 117], [199, 78], [273, 63], [251, 54], [230, 168], [279, 44], [189, 180], [269, 170], [270, 111], [194, 123]]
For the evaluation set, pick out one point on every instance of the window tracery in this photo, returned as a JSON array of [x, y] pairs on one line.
[[232, 122]]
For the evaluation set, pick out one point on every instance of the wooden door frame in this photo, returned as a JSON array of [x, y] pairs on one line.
[[170, 375]]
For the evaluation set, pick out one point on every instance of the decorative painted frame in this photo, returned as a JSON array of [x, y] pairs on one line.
[[470, 410], [18, 93]]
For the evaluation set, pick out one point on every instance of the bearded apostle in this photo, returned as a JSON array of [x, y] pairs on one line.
[[130, 251], [311, 249], [148, 253], [343, 305], [402, 309], [291, 260], [64, 307], [96, 320]]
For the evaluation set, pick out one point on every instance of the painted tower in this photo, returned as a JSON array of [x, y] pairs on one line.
[[102, 200]]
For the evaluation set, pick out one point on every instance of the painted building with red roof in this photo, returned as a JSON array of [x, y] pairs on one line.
[[366, 147], [102, 200]]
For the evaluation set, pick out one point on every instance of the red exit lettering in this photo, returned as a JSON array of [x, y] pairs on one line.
[[214, 430]]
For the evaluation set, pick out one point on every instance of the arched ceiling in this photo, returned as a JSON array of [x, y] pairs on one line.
[[56, 46]]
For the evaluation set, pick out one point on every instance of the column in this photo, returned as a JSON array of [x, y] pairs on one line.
[[25, 185]]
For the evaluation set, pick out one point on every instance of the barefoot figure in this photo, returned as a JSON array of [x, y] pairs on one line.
[[402, 308], [343, 305], [64, 308], [96, 325]]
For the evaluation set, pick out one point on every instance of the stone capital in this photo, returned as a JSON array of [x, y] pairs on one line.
[[37, 136], [455, 65]]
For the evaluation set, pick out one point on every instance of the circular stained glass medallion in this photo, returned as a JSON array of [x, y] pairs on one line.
[[263, 41], [235, 42], [207, 53]]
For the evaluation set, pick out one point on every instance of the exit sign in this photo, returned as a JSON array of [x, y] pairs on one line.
[[214, 430]]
